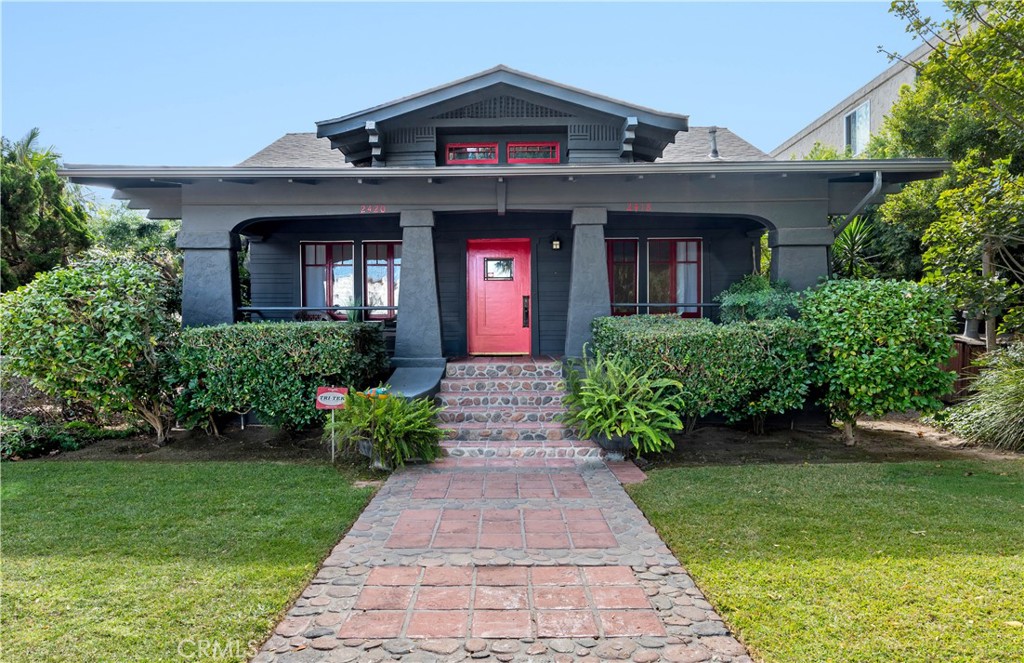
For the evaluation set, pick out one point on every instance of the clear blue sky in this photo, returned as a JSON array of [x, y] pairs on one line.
[[210, 84]]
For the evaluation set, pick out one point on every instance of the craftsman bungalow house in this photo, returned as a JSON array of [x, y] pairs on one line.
[[506, 210]]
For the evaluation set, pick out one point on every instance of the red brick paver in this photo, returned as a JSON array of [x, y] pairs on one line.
[[502, 602]]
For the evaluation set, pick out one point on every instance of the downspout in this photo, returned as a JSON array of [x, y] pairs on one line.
[[875, 189]]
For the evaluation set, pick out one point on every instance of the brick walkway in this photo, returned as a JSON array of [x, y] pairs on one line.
[[533, 557]]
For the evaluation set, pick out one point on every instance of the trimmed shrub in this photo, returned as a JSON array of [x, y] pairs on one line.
[[879, 347], [739, 371], [96, 332], [754, 297], [273, 368], [994, 412]]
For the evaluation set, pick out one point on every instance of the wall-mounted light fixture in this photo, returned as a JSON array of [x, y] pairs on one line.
[[556, 242]]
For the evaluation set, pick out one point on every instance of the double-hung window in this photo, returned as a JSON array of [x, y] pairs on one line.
[[328, 274], [382, 267], [673, 274]]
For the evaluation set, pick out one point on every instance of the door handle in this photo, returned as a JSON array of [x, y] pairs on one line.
[[526, 310]]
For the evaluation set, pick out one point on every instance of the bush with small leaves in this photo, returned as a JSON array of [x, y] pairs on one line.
[[273, 368], [98, 332], [879, 346]]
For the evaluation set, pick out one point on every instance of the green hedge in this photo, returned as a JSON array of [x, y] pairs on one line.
[[273, 368], [739, 371]]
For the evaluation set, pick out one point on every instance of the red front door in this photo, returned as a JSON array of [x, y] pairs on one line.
[[498, 303]]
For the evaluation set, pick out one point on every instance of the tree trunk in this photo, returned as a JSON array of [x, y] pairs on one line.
[[848, 438], [990, 320]]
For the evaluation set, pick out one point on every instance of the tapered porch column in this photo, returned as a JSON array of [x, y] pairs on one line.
[[800, 256], [209, 290], [418, 336], [588, 280]]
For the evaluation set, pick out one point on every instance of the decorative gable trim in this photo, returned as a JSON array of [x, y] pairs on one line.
[[500, 107]]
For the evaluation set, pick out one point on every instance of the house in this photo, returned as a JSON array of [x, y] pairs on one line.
[[851, 123], [507, 210]]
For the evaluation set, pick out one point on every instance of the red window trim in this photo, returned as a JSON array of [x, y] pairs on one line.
[[386, 315], [329, 257], [547, 143], [449, 161], [673, 262], [611, 268]]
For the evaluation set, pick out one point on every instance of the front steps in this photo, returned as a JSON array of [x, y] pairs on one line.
[[507, 407]]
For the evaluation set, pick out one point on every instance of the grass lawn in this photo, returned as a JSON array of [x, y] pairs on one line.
[[123, 561], [917, 561]]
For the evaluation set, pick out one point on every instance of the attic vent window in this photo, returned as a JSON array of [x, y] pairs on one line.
[[471, 153], [533, 152]]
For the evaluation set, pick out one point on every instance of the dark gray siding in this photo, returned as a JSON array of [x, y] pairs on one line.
[[727, 249], [550, 278], [275, 261]]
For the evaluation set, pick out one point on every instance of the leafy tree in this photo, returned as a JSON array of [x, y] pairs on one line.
[[44, 218], [967, 106], [97, 331], [879, 346], [118, 228]]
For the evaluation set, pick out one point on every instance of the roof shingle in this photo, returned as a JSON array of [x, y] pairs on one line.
[[305, 150]]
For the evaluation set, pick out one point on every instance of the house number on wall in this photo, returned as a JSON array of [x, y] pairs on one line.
[[373, 209], [638, 207]]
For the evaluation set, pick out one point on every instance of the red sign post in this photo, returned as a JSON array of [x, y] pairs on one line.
[[331, 398]]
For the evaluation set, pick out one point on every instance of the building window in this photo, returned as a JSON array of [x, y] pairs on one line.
[[328, 274], [622, 274], [471, 153], [858, 128], [674, 275], [532, 152], [382, 268]]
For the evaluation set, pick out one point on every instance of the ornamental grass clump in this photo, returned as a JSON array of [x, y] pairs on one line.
[[398, 429], [879, 347], [994, 412]]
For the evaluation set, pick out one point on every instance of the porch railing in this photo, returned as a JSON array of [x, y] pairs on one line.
[[295, 311], [656, 305]]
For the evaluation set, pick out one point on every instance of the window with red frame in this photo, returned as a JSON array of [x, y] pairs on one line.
[[546, 152], [622, 274], [471, 153], [328, 274], [382, 267], [674, 275]]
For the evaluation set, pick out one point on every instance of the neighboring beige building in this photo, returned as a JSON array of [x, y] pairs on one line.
[[855, 119]]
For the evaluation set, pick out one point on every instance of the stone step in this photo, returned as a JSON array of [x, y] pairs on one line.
[[500, 369], [463, 385], [530, 431], [511, 415], [550, 398], [575, 449]]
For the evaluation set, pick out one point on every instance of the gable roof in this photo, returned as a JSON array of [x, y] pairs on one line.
[[305, 150], [501, 94], [495, 76]]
